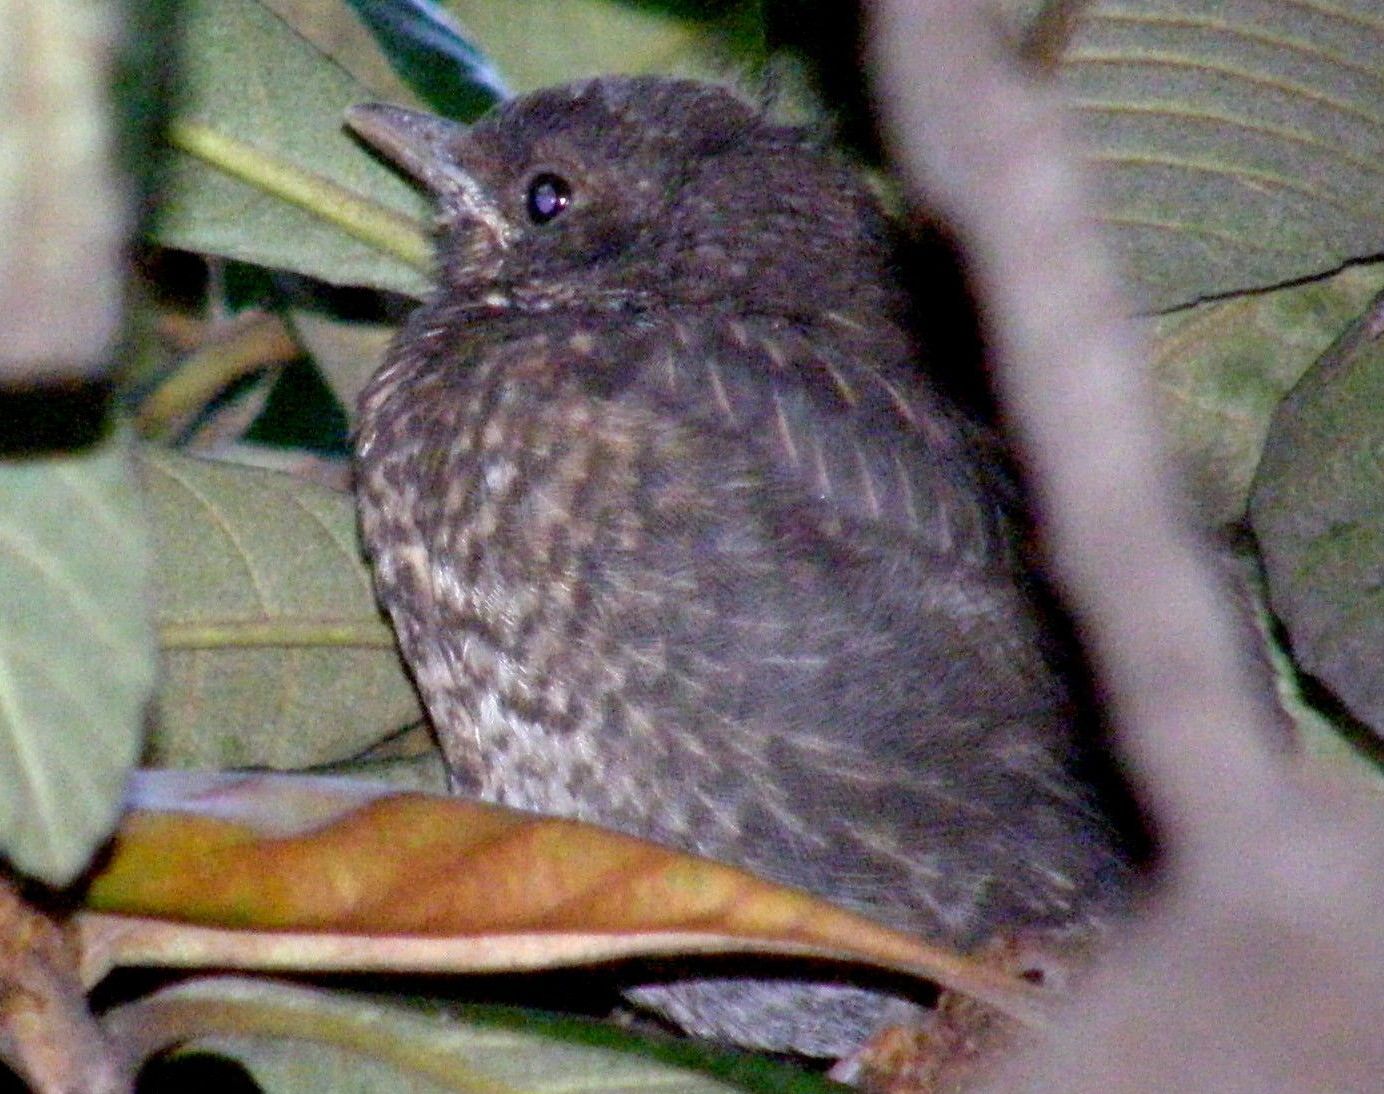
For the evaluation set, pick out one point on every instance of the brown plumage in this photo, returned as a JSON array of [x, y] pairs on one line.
[[676, 541]]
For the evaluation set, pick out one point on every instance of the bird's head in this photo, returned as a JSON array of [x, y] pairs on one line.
[[632, 192]]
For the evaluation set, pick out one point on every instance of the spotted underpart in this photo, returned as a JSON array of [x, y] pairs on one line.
[[676, 541]]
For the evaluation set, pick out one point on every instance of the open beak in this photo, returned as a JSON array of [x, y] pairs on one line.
[[426, 147]]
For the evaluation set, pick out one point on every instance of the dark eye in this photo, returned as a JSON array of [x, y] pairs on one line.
[[548, 195]]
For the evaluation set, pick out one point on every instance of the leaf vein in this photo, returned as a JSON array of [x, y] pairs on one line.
[[1237, 30], [1184, 227], [1239, 174], [1254, 79], [1096, 106], [218, 520]]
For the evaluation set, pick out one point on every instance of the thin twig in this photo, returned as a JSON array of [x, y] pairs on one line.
[[47, 1035], [988, 144]]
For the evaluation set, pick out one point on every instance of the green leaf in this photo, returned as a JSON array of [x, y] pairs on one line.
[[1318, 512], [1221, 368], [427, 49], [274, 651], [1330, 737], [536, 42], [297, 1040], [76, 652], [339, 34], [264, 171], [1238, 141]]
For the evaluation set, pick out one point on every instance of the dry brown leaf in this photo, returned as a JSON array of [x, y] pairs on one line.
[[293, 872]]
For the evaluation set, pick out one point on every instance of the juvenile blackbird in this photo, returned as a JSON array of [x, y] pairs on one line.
[[676, 541]]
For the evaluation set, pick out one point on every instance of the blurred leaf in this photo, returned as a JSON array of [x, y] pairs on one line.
[[301, 416], [76, 652], [1222, 367], [250, 344], [335, 30], [327, 470], [366, 878], [261, 104], [428, 50], [355, 1044], [141, 94], [1238, 141], [274, 651], [535, 42], [1318, 512], [347, 352]]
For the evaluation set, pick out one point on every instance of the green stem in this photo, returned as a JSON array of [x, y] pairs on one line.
[[368, 221], [275, 633]]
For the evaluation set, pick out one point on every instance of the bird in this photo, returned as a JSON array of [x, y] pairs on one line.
[[677, 537]]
